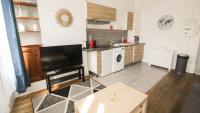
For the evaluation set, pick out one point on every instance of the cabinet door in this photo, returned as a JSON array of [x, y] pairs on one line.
[[96, 11], [31, 56], [93, 62], [138, 52], [106, 62], [128, 54], [130, 21]]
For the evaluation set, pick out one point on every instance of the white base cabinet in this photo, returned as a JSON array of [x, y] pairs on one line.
[[92, 61], [100, 62], [106, 62]]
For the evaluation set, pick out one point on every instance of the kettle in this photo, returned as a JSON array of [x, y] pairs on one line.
[[136, 39]]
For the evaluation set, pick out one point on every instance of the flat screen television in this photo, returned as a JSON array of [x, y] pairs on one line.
[[58, 57]]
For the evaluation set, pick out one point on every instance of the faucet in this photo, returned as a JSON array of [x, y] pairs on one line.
[[112, 42]]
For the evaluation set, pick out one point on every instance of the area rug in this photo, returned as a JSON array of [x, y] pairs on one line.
[[62, 101]]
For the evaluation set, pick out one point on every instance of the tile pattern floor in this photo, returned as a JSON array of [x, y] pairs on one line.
[[139, 76], [62, 101]]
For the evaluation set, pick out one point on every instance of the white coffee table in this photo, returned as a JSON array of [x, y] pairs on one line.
[[116, 98]]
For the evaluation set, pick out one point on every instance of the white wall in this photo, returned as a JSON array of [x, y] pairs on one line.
[[30, 39], [147, 14], [122, 7], [7, 74], [52, 33], [4, 108]]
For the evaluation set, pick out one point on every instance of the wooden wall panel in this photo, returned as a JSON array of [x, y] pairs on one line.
[[130, 21]]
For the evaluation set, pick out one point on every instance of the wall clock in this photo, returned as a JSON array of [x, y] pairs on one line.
[[166, 22]]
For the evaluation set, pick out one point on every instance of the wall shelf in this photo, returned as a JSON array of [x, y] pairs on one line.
[[26, 31], [25, 3], [27, 17]]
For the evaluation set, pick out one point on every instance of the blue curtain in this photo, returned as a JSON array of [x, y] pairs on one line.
[[15, 46]]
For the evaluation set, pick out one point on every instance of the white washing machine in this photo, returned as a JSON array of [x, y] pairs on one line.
[[118, 59]]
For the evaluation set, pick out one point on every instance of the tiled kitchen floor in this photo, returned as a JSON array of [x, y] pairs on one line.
[[139, 76]]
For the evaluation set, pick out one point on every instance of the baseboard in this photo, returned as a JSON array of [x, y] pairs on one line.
[[186, 73], [36, 86], [197, 74]]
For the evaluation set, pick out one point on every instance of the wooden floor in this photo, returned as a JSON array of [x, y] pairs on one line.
[[24, 105], [169, 94], [166, 97]]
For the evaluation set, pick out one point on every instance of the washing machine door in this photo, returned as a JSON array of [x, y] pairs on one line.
[[119, 58]]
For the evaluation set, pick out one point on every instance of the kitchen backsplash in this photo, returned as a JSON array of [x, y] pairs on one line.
[[103, 36]]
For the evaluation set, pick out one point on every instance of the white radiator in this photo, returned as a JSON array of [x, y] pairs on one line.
[[161, 56]]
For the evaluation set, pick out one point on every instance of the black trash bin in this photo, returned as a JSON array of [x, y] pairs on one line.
[[181, 64]]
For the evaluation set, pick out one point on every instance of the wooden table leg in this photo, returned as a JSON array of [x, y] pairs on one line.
[[144, 106]]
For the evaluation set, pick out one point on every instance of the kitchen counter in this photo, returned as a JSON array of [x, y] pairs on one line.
[[109, 47], [102, 60]]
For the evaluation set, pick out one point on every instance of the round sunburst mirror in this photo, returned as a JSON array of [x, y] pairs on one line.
[[64, 17]]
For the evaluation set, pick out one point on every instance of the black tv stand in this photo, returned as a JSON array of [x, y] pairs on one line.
[[50, 74]]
